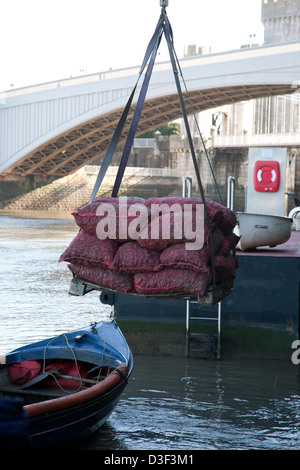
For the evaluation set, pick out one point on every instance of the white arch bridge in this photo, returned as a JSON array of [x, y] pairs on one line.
[[55, 128]]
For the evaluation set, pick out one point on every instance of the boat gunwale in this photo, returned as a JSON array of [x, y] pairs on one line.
[[121, 373]]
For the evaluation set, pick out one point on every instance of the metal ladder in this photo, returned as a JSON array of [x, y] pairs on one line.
[[190, 336], [187, 191]]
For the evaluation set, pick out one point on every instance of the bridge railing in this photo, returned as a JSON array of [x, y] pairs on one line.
[[238, 54]]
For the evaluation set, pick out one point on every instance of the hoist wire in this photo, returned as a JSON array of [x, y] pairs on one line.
[[136, 118]]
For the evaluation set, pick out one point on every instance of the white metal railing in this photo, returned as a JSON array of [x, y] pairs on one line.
[[144, 143], [256, 140], [135, 171], [237, 54]]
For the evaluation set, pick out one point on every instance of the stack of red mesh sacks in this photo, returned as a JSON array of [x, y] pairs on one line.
[[147, 265]]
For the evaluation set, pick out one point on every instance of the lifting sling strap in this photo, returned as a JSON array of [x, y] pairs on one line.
[[135, 120], [118, 131]]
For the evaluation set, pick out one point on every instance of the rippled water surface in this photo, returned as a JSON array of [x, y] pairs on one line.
[[34, 298], [179, 404], [170, 403]]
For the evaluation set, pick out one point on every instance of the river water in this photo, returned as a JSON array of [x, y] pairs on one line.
[[170, 403]]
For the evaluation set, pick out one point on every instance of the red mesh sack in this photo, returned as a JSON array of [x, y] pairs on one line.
[[133, 258], [173, 281], [109, 199], [86, 217], [110, 278], [173, 201], [179, 256], [21, 372], [89, 216], [89, 249], [230, 241], [225, 267], [70, 368], [227, 219], [219, 215], [169, 229]]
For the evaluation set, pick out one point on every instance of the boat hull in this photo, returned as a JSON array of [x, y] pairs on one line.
[[258, 230], [77, 422], [56, 416]]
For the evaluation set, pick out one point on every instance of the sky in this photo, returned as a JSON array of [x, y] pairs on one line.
[[46, 40]]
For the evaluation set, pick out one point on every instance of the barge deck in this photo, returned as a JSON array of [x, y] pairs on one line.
[[260, 318]]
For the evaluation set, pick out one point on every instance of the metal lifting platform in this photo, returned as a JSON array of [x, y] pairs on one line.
[[80, 287]]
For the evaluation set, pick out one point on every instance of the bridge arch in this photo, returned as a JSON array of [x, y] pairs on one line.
[[212, 81]]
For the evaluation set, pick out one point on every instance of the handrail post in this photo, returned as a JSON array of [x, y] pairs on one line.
[[185, 180], [187, 329], [230, 192]]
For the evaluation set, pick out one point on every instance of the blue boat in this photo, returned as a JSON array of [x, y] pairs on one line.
[[69, 384]]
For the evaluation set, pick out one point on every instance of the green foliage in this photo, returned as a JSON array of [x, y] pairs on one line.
[[172, 128]]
